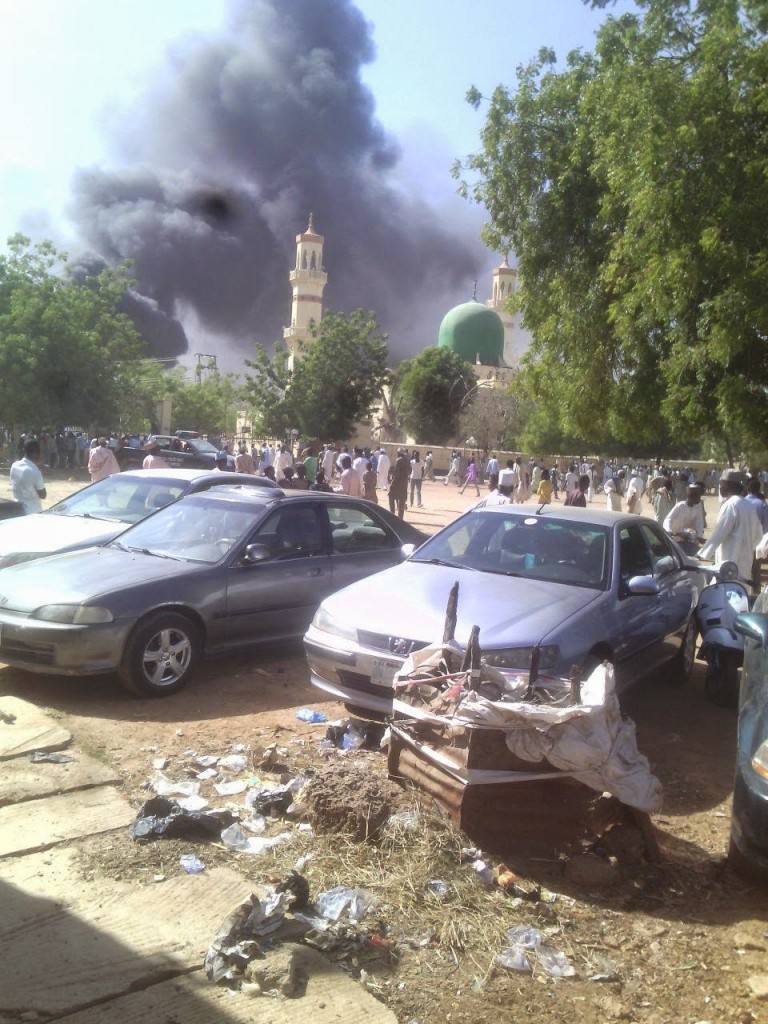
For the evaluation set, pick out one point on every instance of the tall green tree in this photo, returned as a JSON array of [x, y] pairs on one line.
[[632, 186], [66, 353], [433, 389], [335, 383]]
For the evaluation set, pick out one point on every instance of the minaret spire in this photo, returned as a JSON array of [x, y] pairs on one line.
[[308, 279]]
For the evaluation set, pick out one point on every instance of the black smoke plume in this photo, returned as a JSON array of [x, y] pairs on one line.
[[235, 141]]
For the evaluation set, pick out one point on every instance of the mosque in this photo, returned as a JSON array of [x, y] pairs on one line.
[[484, 335]]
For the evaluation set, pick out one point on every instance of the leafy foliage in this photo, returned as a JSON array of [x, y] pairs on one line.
[[66, 353], [433, 388], [335, 383], [632, 185]]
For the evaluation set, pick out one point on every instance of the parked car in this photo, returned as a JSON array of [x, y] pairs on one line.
[[98, 513], [10, 509], [179, 451], [214, 571], [555, 588], [749, 817]]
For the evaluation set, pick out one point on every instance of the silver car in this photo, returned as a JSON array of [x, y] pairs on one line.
[[549, 590], [212, 572], [98, 513]]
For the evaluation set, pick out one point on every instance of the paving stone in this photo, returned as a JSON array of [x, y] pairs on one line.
[[22, 780], [331, 997], [38, 824], [31, 730]]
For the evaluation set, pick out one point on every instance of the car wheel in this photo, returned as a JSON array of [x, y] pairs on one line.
[[161, 655], [722, 678], [681, 666]]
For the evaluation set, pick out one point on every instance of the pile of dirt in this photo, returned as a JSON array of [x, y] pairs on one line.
[[347, 797]]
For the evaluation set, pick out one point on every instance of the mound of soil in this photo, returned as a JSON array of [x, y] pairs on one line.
[[347, 797]]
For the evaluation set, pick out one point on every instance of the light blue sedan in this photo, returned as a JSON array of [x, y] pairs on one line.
[[549, 589]]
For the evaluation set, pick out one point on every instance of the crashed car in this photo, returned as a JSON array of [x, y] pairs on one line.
[[223, 569], [549, 590], [98, 513]]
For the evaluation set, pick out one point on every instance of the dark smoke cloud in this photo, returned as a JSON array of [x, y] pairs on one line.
[[234, 142]]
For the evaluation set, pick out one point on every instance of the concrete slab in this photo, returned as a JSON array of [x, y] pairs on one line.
[[31, 730], [22, 780], [54, 875], [57, 959], [331, 997], [38, 824]]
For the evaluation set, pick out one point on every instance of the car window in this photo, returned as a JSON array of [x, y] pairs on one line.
[[536, 547], [353, 529], [120, 498], [291, 532], [663, 556], [634, 555]]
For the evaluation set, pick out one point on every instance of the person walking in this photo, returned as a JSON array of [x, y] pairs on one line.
[[244, 462], [737, 531], [544, 489], [398, 483], [101, 461], [453, 472], [153, 458], [370, 479], [417, 475], [429, 469], [470, 477], [27, 481]]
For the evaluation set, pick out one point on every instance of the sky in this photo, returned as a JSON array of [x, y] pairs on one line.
[[116, 115]]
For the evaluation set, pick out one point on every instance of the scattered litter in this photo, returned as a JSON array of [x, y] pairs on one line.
[[270, 798], [406, 821], [204, 760], [438, 887], [160, 763], [605, 968], [311, 716], [234, 762], [193, 803], [340, 901], [164, 786], [163, 818], [240, 748], [234, 838], [524, 943], [191, 864], [230, 788], [355, 734], [51, 756], [206, 773], [484, 870]]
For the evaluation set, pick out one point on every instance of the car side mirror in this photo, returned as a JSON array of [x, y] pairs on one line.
[[646, 586], [255, 553], [754, 625]]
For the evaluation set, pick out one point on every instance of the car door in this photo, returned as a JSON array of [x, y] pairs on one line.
[[678, 588], [361, 543], [639, 622], [277, 596]]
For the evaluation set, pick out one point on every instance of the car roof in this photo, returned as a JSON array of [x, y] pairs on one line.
[[595, 517], [217, 477]]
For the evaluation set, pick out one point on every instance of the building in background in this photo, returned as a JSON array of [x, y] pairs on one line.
[[308, 280]]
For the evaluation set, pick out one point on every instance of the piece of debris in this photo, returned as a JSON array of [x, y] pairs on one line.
[[526, 949], [311, 716], [355, 734], [50, 757], [162, 818], [190, 863], [346, 797]]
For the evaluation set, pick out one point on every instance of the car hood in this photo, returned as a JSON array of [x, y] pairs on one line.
[[410, 600], [77, 577], [47, 533]]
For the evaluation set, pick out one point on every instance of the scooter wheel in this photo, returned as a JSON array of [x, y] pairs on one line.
[[722, 678]]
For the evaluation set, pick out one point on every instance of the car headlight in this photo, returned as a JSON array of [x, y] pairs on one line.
[[324, 621], [73, 614], [520, 657], [760, 760]]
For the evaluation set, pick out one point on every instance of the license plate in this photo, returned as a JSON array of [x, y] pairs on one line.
[[383, 672]]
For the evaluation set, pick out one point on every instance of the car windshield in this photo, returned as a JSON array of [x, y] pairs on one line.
[[197, 529], [120, 498], [197, 444], [534, 547]]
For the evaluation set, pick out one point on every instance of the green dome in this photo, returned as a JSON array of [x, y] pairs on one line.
[[474, 332]]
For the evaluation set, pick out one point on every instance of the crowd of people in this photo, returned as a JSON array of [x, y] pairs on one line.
[[672, 495]]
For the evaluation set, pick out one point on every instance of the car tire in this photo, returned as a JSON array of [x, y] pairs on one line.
[[681, 666], [161, 655], [722, 678]]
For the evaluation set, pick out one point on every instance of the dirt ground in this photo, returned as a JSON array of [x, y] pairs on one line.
[[681, 941]]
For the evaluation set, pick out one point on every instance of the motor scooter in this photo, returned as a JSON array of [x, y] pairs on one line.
[[721, 646]]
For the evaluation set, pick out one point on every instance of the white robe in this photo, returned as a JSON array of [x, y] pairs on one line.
[[735, 536]]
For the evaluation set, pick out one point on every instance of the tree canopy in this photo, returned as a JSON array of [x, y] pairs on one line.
[[632, 187], [432, 389], [66, 354], [335, 383]]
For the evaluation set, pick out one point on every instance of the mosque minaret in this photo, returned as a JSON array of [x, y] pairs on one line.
[[308, 279]]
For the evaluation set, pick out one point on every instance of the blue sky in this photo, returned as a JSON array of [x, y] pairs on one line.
[[69, 67]]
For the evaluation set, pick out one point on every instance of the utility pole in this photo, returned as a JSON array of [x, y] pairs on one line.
[[206, 363]]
